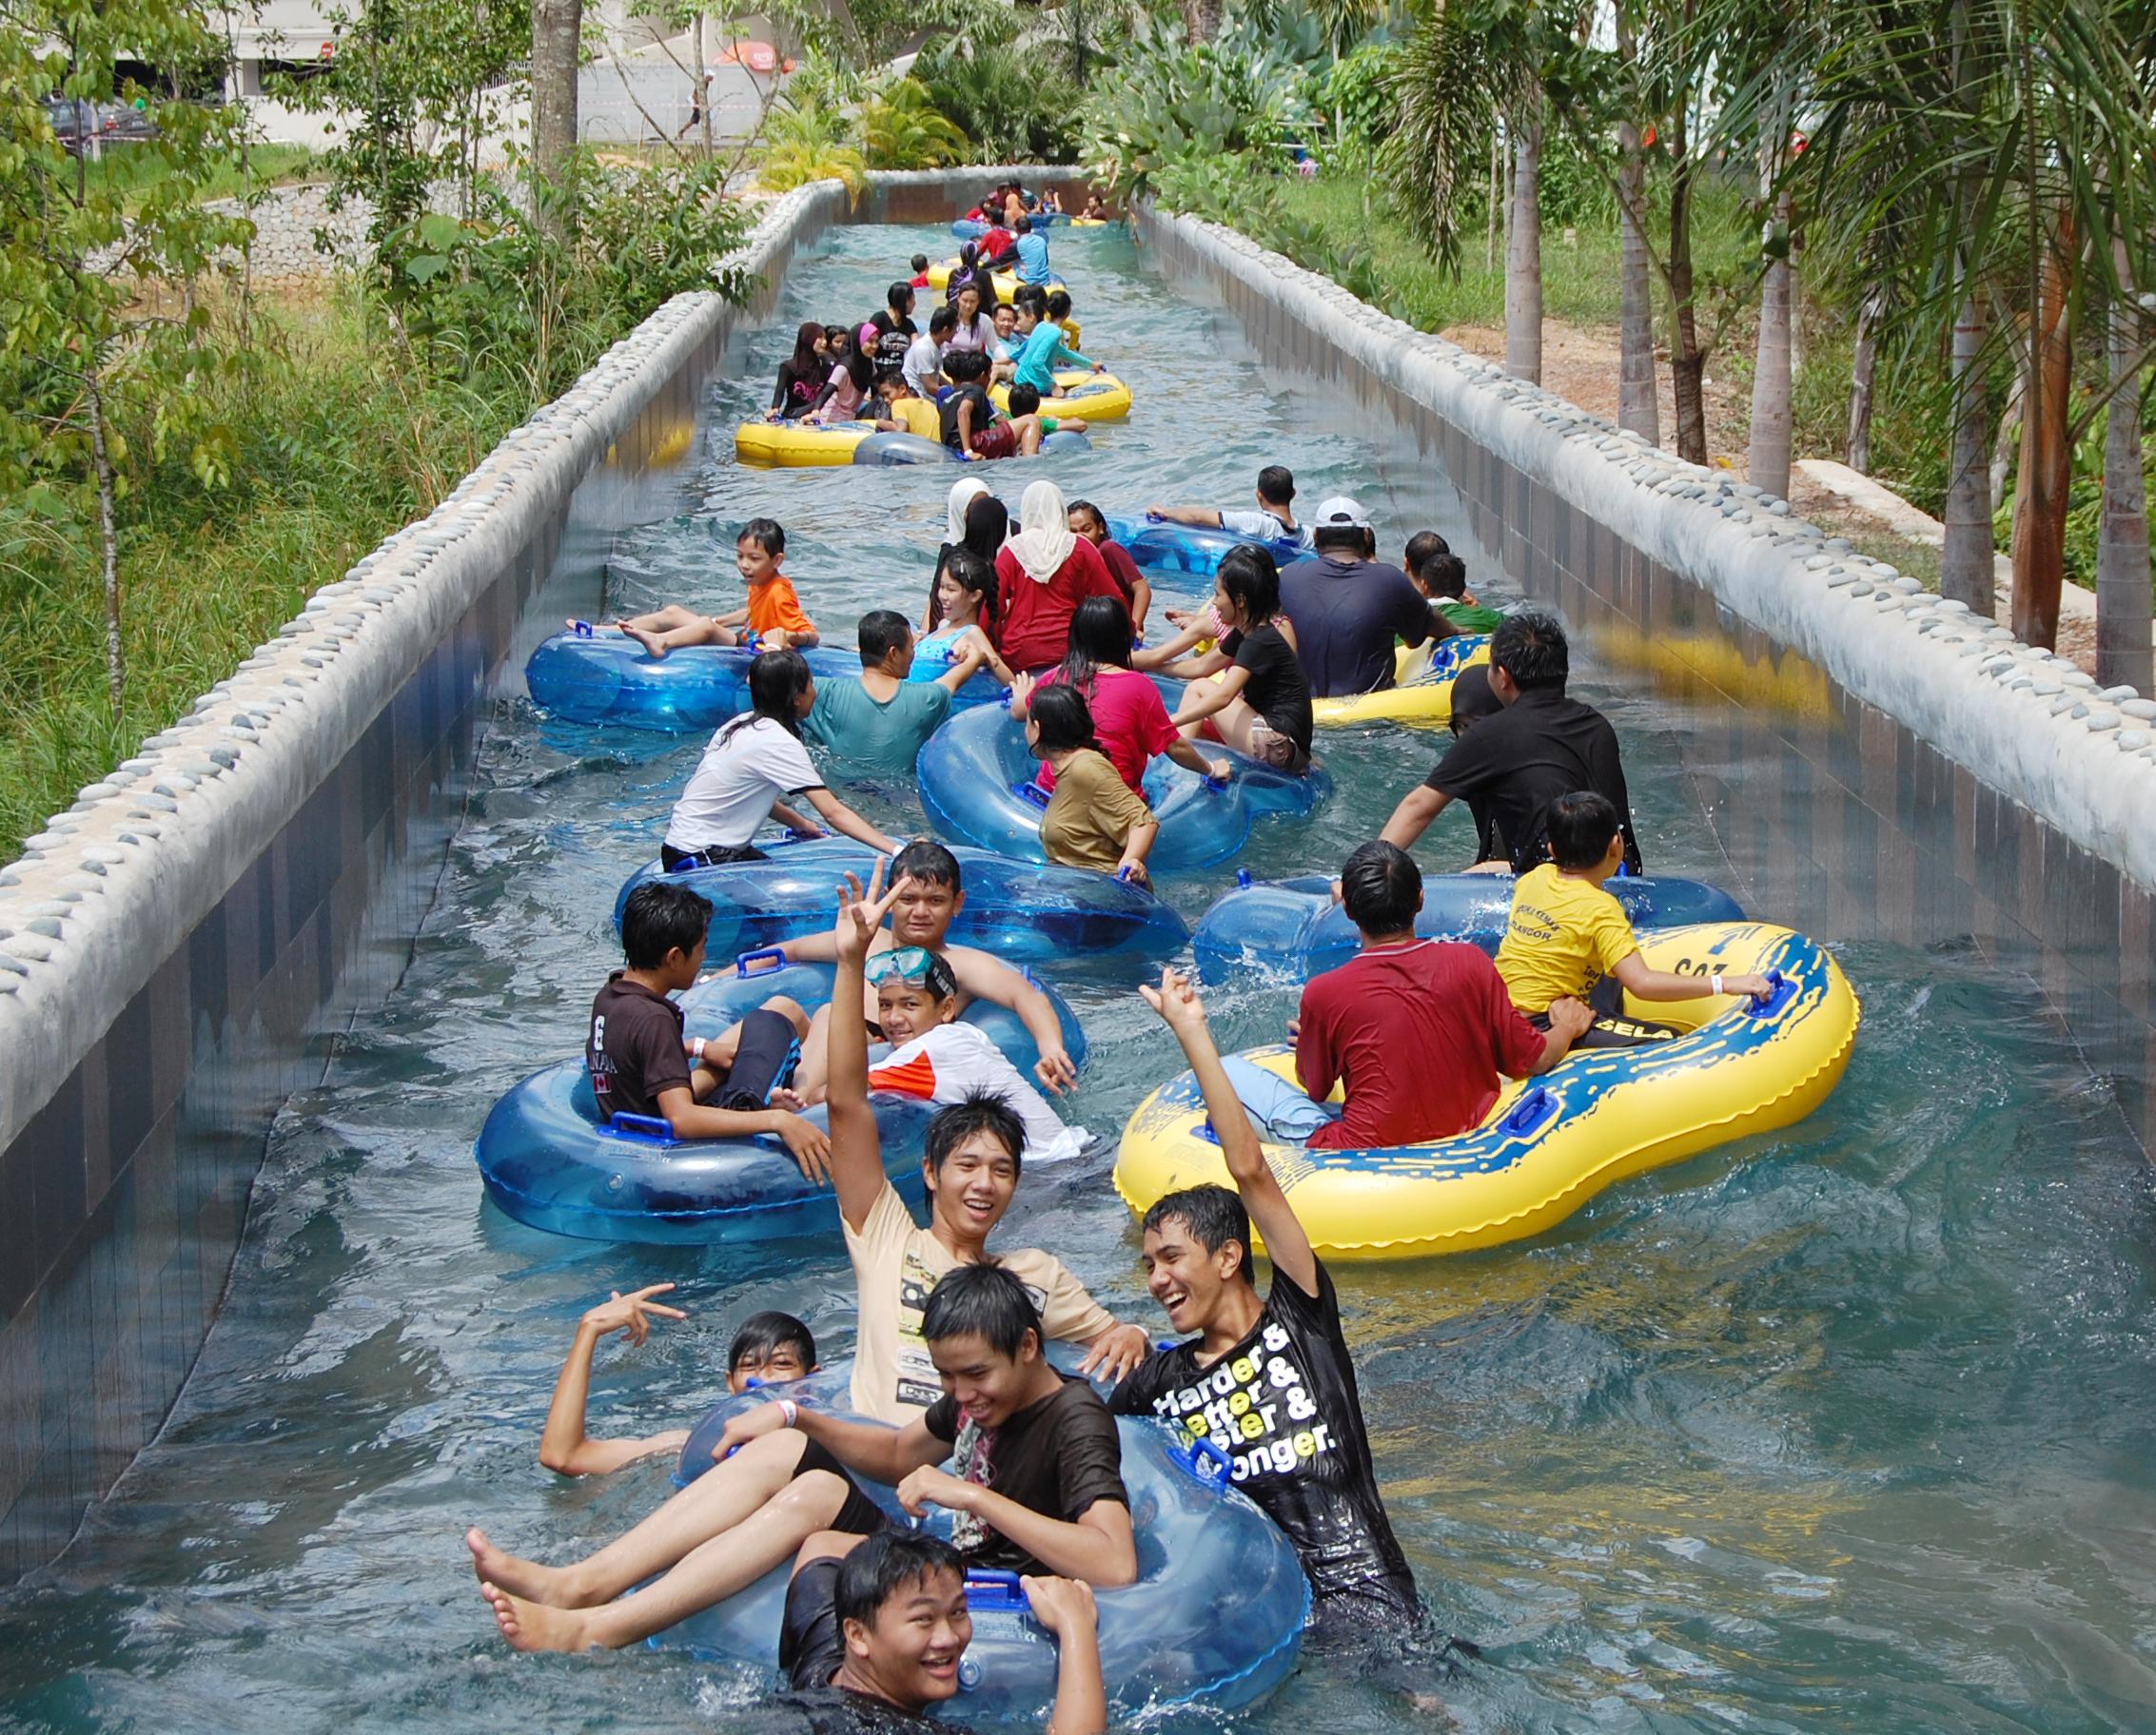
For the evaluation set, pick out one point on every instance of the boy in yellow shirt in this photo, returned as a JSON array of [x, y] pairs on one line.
[[1568, 935]]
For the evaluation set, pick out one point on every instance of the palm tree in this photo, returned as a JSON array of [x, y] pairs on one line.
[[2123, 595]]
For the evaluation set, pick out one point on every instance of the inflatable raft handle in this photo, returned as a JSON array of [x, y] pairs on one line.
[[1242, 880], [1123, 875], [1206, 1462], [1781, 991], [761, 962], [1031, 791], [996, 1592], [583, 629], [642, 1126], [1535, 1110], [1215, 785]]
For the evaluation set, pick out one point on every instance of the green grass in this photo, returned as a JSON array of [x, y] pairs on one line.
[[132, 169]]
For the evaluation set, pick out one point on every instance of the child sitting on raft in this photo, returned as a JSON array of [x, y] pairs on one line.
[[1441, 575], [1059, 314], [1044, 349], [920, 278], [902, 412], [773, 612], [1568, 936], [965, 591], [1249, 691], [1130, 723], [939, 1059], [1095, 819], [771, 1349], [970, 425], [853, 375], [719, 1088]]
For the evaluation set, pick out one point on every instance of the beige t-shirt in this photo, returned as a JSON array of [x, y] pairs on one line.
[[1090, 818], [895, 1263]]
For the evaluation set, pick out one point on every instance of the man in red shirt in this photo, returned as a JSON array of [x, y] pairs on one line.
[[1420, 1029]]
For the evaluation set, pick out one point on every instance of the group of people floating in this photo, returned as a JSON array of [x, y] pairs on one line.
[[954, 1401]]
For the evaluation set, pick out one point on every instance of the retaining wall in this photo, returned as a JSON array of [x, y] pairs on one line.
[[176, 948], [1867, 753]]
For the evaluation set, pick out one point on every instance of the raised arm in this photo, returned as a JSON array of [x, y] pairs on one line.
[[856, 1146], [564, 1446], [1176, 999], [1066, 1607]]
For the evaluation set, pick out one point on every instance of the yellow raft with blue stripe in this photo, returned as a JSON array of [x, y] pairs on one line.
[[1421, 695], [1550, 1144], [1006, 283], [799, 445], [1090, 397]]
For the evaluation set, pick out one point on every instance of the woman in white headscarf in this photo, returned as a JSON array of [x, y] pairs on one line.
[[973, 518], [1042, 574]]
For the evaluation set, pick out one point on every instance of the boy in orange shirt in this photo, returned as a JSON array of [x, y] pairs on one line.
[[773, 612]]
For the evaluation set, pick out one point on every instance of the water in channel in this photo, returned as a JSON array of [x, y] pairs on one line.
[[1852, 1428]]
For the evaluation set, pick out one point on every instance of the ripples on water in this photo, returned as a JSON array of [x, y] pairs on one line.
[[1844, 1429]]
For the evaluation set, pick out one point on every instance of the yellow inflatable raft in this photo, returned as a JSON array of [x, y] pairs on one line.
[[1092, 396], [1550, 1144], [1421, 695], [1006, 283], [799, 445]]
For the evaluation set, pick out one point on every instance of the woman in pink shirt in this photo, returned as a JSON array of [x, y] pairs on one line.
[[1129, 720], [1042, 574]]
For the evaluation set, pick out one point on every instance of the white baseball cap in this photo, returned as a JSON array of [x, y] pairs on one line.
[[1339, 513]]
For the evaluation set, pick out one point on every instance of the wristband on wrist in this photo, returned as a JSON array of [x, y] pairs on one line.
[[790, 1411], [697, 1051], [1714, 982]]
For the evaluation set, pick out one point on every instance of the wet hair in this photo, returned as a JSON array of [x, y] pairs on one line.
[[899, 297], [943, 318], [832, 333], [983, 1111], [1445, 576], [1327, 537], [1059, 304], [1092, 511], [881, 632], [1031, 299], [1251, 579], [1472, 699], [767, 533], [1380, 887], [988, 524], [1421, 546], [659, 916], [973, 283], [966, 364], [1063, 718], [1099, 638], [930, 860], [777, 681], [1214, 1216], [1023, 227], [1530, 646], [1579, 826], [1025, 399], [885, 1564], [974, 572], [1276, 483], [761, 1335], [984, 1301], [920, 264]]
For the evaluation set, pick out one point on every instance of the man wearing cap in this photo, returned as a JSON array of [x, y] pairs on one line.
[[1348, 606]]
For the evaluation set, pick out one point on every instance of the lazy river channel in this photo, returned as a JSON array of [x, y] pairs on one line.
[[1851, 1428]]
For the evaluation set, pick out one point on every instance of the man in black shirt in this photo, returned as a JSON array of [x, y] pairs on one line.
[[1348, 607], [1270, 1383], [1511, 766], [873, 1638]]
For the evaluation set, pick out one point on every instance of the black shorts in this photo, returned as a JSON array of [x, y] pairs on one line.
[[1614, 1027], [811, 1645], [714, 855], [858, 1515]]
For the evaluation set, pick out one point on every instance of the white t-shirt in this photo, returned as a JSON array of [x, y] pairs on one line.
[[1265, 524], [732, 789], [953, 1060], [980, 335], [922, 364]]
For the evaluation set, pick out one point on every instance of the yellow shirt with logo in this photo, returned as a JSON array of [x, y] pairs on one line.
[[920, 417], [1564, 936]]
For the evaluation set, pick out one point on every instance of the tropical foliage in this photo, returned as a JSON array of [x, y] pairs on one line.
[[902, 127]]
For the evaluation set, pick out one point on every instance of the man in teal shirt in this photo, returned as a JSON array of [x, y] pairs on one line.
[[877, 724], [1042, 349]]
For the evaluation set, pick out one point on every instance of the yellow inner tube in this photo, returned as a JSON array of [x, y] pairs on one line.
[[796, 445], [1417, 697], [1597, 1118], [1006, 283], [1094, 396]]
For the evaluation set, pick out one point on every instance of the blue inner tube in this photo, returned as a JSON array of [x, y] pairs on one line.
[[608, 679], [976, 779], [1024, 912], [549, 1161], [1069, 440], [1214, 1619], [892, 448], [1293, 927], [1191, 548]]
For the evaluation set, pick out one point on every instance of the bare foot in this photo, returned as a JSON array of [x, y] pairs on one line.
[[653, 644], [535, 1627], [498, 1567]]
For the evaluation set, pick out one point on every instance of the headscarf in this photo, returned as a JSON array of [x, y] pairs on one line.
[[968, 271], [962, 495], [1045, 536], [970, 505], [805, 340]]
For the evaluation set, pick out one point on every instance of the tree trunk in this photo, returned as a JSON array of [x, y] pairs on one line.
[[1687, 365], [1201, 19], [1966, 551], [2123, 654], [1863, 367], [1637, 409], [703, 75], [556, 36], [1523, 252], [2006, 441], [1496, 201], [1767, 461], [2046, 461], [108, 546]]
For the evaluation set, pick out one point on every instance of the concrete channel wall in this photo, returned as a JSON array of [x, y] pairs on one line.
[[177, 949], [1873, 761]]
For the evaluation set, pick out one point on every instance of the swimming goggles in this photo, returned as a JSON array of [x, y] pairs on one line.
[[907, 963]]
